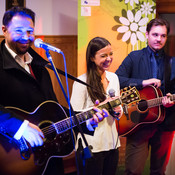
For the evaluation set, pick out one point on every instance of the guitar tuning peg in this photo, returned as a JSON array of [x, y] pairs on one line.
[[126, 88], [136, 98], [128, 101]]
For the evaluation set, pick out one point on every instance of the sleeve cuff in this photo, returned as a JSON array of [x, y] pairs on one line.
[[21, 130]]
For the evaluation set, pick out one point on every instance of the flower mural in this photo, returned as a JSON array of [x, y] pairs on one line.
[[133, 27], [132, 24], [146, 8], [131, 2]]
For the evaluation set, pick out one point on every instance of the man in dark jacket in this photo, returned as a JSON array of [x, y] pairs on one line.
[[150, 66], [25, 84]]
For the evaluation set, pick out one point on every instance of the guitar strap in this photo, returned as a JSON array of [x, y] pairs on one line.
[[71, 77]]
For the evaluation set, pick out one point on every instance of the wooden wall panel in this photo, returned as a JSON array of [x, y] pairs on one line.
[[68, 45], [165, 6]]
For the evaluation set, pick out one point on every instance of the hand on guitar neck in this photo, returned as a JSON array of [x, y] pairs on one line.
[[99, 115], [117, 110], [167, 101]]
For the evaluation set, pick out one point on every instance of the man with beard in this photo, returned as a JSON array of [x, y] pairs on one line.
[[25, 84]]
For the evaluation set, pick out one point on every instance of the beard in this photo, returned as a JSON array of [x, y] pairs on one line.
[[19, 47], [21, 51]]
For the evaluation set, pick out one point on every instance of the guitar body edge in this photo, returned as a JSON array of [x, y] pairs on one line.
[[56, 145], [138, 116]]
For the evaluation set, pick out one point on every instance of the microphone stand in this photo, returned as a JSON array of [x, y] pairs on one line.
[[86, 151]]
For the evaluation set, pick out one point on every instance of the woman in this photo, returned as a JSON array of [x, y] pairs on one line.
[[104, 140]]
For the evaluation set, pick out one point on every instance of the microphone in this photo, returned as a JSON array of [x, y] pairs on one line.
[[40, 44], [111, 93]]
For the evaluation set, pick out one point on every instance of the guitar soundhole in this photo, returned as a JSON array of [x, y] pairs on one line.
[[143, 106], [49, 130]]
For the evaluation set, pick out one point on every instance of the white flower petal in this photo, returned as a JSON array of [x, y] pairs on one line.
[[143, 21], [138, 16], [122, 29], [126, 1], [146, 8], [140, 36], [124, 21], [130, 15], [136, 1], [131, 2], [126, 36], [133, 39], [142, 29]]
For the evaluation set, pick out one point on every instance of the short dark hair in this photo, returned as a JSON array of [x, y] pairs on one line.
[[22, 11], [158, 22]]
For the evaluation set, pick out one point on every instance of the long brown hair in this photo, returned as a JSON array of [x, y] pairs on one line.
[[93, 76]]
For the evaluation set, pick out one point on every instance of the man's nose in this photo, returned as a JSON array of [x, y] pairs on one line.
[[159, 38], [25, 36]]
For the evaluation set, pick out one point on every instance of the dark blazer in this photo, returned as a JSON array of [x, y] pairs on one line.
[[19, 89], [136, 67]]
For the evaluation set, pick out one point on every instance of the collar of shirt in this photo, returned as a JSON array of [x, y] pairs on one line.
[[159, 54], [150, 51], [21, 62]]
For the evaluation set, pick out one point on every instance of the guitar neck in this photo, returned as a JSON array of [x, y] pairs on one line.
[[158, 101], [70, 122]]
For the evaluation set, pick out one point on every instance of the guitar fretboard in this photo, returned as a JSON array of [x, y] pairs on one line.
[[158, 101], [70, 122]]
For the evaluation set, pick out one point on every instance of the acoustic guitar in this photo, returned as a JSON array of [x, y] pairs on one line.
[[18, 158], [146, 110]]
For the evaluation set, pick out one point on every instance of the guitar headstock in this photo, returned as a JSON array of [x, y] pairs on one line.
[[129, 94]]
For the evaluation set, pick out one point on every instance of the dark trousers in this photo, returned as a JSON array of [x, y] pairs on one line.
[[137, 150], [102, 163]]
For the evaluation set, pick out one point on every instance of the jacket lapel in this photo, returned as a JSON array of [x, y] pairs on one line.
[[146, 61], [10, 63]]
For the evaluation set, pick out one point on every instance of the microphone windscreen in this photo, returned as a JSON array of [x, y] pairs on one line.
[[37, 42], [111, 92]]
